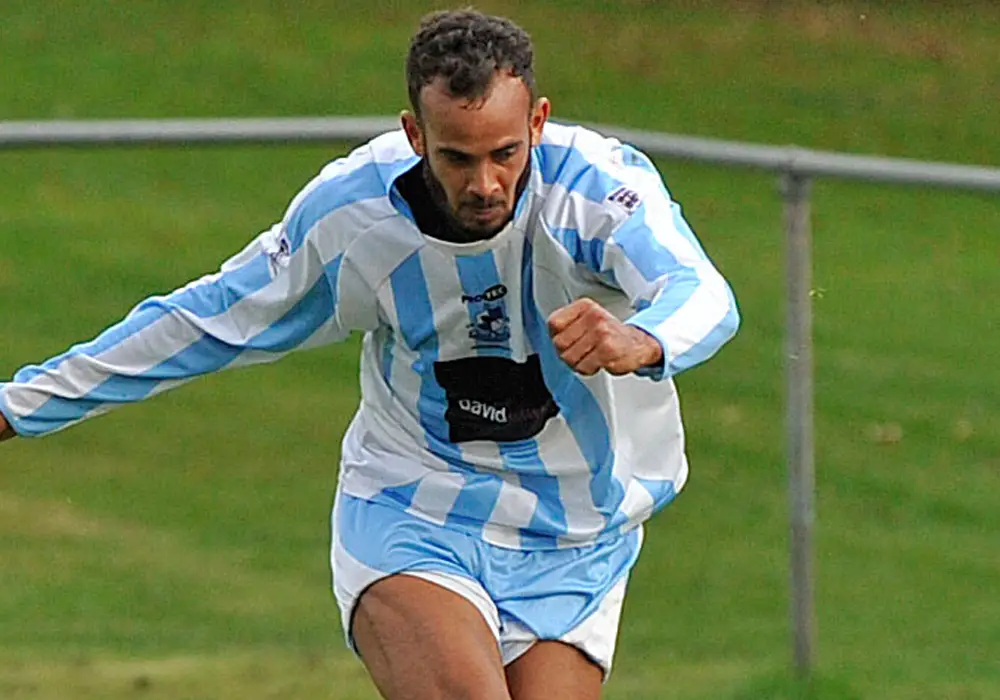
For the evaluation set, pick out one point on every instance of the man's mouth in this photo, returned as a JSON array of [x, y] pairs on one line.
[[479, 212]]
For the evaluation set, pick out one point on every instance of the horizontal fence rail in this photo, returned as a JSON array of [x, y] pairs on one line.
[[784, 159], [795, 166]]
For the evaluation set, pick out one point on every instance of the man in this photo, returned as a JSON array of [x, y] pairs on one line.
[[526, 290]]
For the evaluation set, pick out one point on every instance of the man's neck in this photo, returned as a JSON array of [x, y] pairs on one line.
[[429, 205]]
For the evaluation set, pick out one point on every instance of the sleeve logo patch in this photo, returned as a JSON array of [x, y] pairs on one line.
[[626, 198], [279, 255]]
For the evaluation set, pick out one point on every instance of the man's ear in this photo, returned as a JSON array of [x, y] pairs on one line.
[[539, 115], [411, 125]]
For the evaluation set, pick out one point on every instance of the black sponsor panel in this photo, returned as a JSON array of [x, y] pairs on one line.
[[494, 398]]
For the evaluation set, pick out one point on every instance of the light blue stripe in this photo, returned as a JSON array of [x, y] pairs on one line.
[[661, 490], [678, 292], [586, 252], [368, 181], [639, 160], [217, 297], [477, 273], [416, 322], [476, 500], [569, 168], [469, 277], [314, 309], [579, 407], [651, 258], [712, 342], [549, 519], [401, 495], [589, 252]]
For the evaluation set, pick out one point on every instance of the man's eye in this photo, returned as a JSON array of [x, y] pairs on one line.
[[456, 158], [505, 154]]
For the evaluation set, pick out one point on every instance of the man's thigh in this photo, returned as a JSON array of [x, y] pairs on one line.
[[554, 671], [421, 641]]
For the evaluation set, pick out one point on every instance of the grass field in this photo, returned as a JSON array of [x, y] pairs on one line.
[[178, 549]]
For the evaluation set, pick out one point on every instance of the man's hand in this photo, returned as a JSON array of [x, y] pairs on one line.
[[6, 432], [589, 338]]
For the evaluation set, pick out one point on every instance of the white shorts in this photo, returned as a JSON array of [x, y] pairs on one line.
[[572, 595]]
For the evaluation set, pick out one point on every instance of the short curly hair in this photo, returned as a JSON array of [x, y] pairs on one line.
[[467, 48]]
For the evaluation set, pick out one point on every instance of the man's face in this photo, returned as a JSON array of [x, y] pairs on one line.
[[477, 150]]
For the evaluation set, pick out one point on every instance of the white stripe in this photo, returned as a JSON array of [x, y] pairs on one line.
[[561, 455], [592, 145], [566, 208], [436, 495], [451, 316], [515, 506], [370, 462], [391, 146], [637, 504], [405, 382], [508, 261], [698, 317]]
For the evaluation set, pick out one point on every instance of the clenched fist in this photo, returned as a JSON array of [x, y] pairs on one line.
[[589, 338]]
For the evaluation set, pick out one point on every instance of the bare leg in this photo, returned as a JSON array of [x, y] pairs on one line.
[[421, 641], [554, 671]]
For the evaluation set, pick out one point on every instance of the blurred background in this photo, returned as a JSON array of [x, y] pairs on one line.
[[178, 549]]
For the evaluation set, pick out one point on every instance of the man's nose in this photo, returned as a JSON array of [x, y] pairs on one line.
[[484, 181]]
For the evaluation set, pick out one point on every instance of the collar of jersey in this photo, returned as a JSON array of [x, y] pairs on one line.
[[519, 221]]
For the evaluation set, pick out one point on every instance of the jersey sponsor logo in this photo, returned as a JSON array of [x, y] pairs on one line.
[[627, 199], [486, 411], [494, 398], [490, 325]]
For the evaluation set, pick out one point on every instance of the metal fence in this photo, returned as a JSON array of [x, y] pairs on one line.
[[796, 168]]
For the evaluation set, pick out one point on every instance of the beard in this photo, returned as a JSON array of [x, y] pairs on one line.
[[459, 229]]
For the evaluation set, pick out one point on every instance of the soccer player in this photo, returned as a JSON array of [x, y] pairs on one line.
[[526, 291]]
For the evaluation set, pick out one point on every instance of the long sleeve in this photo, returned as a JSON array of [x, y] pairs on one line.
[[680, 297], [275, 296]]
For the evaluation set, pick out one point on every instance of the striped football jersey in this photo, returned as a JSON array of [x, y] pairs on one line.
[[468, 417]]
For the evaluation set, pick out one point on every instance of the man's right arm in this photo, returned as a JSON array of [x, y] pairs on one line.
[[270, 299]]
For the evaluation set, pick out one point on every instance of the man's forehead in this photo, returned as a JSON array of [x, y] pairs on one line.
[[501, 114]]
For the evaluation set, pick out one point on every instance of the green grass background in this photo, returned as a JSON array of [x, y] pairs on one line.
[[178, 549]]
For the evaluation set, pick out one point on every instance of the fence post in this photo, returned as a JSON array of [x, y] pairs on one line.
[[795, 190]]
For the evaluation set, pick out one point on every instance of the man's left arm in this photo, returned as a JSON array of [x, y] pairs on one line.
[[685, 309]]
